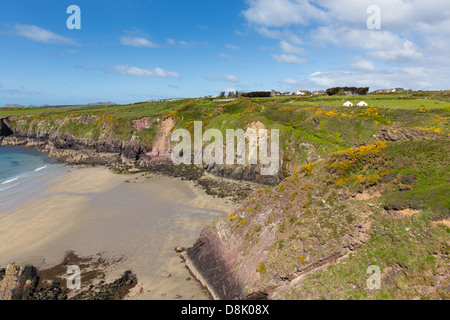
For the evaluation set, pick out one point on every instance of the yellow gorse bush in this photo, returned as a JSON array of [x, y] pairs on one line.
[[342, 161], [308, 168], [369, 112], [174, 111]]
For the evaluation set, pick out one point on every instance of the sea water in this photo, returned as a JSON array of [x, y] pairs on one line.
[[24, 173]]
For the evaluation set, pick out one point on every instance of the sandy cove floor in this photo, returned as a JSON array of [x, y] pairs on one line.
[[140, 218]]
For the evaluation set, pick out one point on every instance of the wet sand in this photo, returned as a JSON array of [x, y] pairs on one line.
[[140, 218]]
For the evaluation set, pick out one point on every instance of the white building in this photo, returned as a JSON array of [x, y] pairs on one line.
[[362, 104], [348, 104]]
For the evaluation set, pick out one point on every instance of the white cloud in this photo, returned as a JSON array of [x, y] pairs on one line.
[[362, 64], [315, 74], [383, 45], [321, 80], [406, 24], [188, 44], [277, 13], [408, 77], [288, 58], [407, 50], [397, 15], [232, 78], [228, 78], [279, 34], [41, 35], [413, 32], [137, 42], [291, 49], [138, 72]]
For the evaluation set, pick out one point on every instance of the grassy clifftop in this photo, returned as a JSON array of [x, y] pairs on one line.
[[310, 128]]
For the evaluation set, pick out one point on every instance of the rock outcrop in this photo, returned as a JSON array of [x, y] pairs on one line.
[[108, 150], [407, 134], [24, 283], [17, 283]]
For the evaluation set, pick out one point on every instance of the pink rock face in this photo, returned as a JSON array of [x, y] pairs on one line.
[[153, 153], [141, 124]]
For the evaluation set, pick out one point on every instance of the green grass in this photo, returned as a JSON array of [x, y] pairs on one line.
[[424, 167], [408, 253], [390, 101], [327, 128]]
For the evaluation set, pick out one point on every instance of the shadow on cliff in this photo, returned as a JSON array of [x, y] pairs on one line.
[[4, 129]]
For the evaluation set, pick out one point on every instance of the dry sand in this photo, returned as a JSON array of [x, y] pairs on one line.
[[140, 218]]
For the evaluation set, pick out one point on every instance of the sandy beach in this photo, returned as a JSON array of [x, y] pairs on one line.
[[136, 219]]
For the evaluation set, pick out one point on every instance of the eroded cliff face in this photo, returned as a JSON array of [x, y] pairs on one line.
[[110, 149], [107, 149], [271, 241], [315, 234]]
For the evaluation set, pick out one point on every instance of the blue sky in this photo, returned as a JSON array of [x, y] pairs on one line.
[[128, 51]]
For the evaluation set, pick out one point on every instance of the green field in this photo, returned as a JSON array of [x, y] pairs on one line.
[[319, 120], [379, 101]]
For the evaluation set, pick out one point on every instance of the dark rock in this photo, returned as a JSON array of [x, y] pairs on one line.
[[22, 281], [257, 296], [180, 249], [205, 261], [5, 131], [129, 282]]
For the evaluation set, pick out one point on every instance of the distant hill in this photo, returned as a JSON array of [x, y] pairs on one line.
[[96, 104], [13, 106], [101, 104]]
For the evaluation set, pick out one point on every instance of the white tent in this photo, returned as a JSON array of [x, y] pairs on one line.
[[348, 104], [362, 104]]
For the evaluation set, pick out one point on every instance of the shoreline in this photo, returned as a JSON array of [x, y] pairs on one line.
[[201, 182], [222, 185], [93, 210]]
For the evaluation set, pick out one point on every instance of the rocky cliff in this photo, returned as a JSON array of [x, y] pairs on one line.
[[28, 283], [109, 149], [70, 148], [315, 234]]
